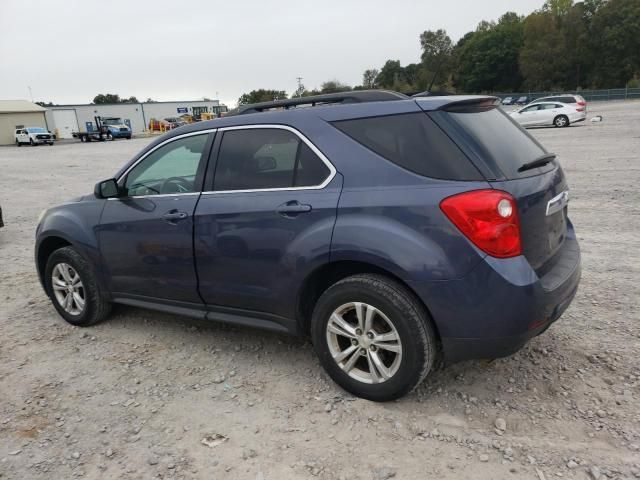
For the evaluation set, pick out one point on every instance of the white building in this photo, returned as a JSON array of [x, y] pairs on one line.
[[64, 119]]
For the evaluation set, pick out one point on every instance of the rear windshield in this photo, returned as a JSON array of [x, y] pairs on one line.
[[499, 142], [414, 142]]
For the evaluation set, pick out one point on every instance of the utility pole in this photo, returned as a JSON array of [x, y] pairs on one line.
[[300, 86], [30, 93]]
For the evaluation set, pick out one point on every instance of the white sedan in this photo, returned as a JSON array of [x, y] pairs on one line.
[[549, 113]]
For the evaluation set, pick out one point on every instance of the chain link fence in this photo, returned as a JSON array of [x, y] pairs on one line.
[[589, 95]]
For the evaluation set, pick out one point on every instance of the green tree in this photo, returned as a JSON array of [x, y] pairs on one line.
[[543, 57], [261, 95], [334, 86], [437, 57], [487, 60], [106, 98], [390, 74], [614, 40], [369, 78]]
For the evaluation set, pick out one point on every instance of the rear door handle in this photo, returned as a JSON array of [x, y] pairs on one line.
[[174, 215], [293, 208]]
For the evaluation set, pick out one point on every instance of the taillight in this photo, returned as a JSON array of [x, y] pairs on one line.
[[489, 218], [579, 109]]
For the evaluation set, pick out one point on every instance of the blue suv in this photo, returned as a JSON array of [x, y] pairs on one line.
[[394, 231]]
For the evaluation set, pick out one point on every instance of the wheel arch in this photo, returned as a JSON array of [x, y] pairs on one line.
[[320, 279], [46, 247]]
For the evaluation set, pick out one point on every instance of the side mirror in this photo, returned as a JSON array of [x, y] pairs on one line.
[[107, 189]]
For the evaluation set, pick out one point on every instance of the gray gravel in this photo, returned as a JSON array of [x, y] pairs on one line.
[[135, 397]]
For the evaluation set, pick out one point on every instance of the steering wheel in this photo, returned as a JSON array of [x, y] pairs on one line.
[[176, 185]]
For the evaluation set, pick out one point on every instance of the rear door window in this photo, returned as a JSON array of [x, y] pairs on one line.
[[412, 141], [266, 158], [496, 139]]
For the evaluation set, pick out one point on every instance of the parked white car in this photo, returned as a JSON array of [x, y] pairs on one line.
[[576, 101], [548, 113], [33, 136]]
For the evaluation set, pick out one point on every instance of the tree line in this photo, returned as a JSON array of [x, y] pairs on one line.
[[565, 45]]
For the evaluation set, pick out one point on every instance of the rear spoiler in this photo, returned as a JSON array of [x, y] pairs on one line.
[[472, 104]]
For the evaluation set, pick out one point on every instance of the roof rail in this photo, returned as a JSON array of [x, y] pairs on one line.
[[358, 96]]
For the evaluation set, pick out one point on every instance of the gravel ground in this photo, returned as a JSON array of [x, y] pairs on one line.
[[147, 395]]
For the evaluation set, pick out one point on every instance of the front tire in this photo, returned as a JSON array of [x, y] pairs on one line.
[[373, 337], [73, 288], [31, 142], [18, 143], [561, 121]]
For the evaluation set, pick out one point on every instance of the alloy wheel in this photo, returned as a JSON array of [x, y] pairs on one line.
[[68, 288], [364, 342]]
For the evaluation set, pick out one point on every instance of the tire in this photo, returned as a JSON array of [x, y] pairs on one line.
[[96, 306], [561, 121], [51, 144], [128, 138], [18, 143], [31, 142], [83, 138], [109, 137], [396, 314]]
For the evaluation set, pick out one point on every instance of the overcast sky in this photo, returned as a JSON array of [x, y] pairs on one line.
[[68, 51]]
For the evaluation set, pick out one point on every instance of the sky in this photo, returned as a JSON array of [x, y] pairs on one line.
[[68, 51]]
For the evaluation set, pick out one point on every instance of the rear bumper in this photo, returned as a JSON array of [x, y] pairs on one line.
[[493, 311]]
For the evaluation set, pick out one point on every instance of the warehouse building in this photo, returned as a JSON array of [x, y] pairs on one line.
[[19, 114], [65, 119]]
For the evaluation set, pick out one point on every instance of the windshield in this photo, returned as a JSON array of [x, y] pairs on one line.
[[499, 142], [36, 130], [112, 121]]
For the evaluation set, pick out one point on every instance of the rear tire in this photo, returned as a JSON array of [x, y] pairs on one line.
[[561, 121], [383, 358], [73, 288]]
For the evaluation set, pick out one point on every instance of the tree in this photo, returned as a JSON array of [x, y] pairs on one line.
[[150, 100], [369, 78], [261, 95], [106, 98], [488, 59], [390, 74], [334, 86], [112, 98], [437, 55], [543, 57], [615, 43]]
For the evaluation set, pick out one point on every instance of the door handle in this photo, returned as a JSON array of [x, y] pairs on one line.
[[173, 216], [293, 208]]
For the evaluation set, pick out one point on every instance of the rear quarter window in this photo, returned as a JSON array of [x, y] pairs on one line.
[[414, 142]]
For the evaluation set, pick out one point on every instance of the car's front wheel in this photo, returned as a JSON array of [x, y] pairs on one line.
[[373, 337], [31, 142], [73, 288], [18, 144]]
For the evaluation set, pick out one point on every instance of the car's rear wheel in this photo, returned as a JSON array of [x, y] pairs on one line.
[[561, 121], [373, 337], [73, 288]]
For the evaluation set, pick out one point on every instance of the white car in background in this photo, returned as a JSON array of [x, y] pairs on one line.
[[548, 113], [33, 136]]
